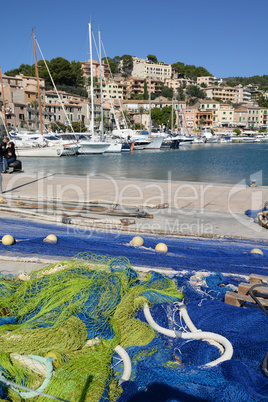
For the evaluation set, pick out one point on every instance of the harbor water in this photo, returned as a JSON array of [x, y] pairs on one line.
[[210, 163]]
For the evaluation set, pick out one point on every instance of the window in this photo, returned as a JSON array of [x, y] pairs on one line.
[[59, 117], [29, 95]]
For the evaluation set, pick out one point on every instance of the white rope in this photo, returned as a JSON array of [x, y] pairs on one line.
[[62, 105]]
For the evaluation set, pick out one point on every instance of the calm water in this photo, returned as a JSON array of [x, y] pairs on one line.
[[216, 163]]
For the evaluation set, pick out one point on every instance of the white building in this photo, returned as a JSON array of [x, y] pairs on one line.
[[159, 71]]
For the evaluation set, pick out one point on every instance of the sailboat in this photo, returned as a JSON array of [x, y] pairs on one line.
[[149, 140], [59, 149], [91, 145]]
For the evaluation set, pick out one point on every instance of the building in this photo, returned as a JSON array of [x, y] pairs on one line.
[[76, 108], [176, 83], [139, 109], [21, 100], [232, 94], [135, 86], [158, 71], [95, 69], [257, 117], [186, 118], [209, 81], [111, 90], [241, 117]]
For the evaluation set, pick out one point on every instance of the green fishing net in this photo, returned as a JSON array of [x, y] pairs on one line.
[[55, 311]]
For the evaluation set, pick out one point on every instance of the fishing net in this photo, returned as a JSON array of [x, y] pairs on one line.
[[77, 312], [55, 311]]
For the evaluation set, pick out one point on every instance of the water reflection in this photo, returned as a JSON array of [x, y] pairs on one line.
[[217, 163]]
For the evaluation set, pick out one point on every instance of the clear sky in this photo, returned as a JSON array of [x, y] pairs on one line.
[[228, 38]]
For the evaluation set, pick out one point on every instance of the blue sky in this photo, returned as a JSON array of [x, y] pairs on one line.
[[228, 38]]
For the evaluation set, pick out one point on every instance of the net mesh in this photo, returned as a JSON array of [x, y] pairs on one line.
[[55, 311]]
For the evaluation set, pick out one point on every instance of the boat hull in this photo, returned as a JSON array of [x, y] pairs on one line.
[[45, 152], [155, 143], [91, 147], [114, 148]]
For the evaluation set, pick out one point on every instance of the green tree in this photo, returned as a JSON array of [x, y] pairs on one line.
[[157, 116], [77, 74], [141, 111], [24, 69], [127, 63], [152, 58], [180, 94], [58, 126], [194, 93], [113, 63], [190, 70], [201, 121], [166, 91], [79, 127], [145, 90], [179, 67], [237, 131]]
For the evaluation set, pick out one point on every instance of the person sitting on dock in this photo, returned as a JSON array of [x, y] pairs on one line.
[[9, 156], [3, 144]]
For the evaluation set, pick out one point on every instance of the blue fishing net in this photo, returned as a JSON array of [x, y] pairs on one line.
[[225, 255]]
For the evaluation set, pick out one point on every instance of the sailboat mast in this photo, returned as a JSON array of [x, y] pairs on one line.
[[101, 86], [91, 80], [172, 117], [38, 87], [3, 98], [150, 119]]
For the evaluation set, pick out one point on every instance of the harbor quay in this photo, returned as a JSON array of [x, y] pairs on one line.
[[135, 205]]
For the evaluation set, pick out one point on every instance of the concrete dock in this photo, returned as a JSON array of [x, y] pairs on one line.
[[175, 208], [179, 208]]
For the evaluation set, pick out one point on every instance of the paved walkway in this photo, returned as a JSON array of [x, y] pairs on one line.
[[197, 209]]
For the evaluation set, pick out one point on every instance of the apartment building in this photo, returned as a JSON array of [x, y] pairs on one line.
[[186, 118], [257, 117], [135, 86], [19, 93], [96, 70], [158, 71], [76, 108], [209, 81], [176, 83], [111, 90], [139, 109], [224, 93], [241, 117]]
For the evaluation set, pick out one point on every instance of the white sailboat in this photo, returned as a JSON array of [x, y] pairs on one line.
[[42, 148], [91, 145], [149, 141]]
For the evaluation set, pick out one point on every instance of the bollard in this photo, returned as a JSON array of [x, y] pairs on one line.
[[0, 183]]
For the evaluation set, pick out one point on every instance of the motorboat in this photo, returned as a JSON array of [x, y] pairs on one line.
[[198, 140], [250, 139], [87, 145], [147, 143], [185, 139]]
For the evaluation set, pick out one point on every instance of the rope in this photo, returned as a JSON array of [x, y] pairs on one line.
[[31, 393], [55, 87]]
